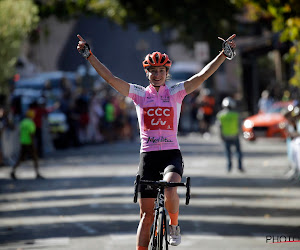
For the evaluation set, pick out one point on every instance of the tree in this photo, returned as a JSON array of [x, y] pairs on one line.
[[285, 16], [17, 19], [193, 19]]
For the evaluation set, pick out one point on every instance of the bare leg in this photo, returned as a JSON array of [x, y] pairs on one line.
[[147, 217], [171, 196]]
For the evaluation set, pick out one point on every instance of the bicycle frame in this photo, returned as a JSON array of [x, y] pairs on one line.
[[159, 228]]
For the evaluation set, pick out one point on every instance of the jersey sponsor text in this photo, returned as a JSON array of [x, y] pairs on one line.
[[158, 139], [158, 118]]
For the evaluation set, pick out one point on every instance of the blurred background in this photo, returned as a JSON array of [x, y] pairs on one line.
[[40, 67], [84, 124]]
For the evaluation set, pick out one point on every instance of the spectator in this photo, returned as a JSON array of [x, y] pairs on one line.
[[6, 136], [229, 130], [27, 132], [286, 96], [291, 134], [73, 118], [81, 106], [41, 112], [96, 114], [206, 110], [194, 111], [295, 143], [49, 93], [109, 118], [265, 102]]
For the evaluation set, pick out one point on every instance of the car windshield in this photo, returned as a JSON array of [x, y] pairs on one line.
[[277, 108], [30, 84], [181, 75]]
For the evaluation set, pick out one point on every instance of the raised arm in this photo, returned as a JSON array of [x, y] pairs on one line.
[[195, 81], [120, 85]]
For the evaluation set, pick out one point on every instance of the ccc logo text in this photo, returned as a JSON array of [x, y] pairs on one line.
[[158, 118], [158, 112]]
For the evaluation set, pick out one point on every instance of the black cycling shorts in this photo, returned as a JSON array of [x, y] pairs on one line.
[[153, 165]]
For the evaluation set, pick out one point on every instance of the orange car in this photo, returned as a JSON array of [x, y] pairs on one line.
[[266, 124]]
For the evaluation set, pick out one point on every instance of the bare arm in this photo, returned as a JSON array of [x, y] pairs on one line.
[[195, 81], [120, 85]]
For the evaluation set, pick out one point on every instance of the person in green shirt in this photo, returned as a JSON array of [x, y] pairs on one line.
[[27, 132], [229, 130], [109, 120]]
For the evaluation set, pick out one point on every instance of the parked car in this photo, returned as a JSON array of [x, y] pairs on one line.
[[270, 123], [42, 82]]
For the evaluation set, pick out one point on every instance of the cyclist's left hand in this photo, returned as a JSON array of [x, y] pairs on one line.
[[230, 40]]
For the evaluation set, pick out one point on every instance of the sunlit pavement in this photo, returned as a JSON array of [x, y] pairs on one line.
[[86, 200]]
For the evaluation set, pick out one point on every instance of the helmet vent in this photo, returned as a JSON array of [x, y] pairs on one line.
[[150, 59]]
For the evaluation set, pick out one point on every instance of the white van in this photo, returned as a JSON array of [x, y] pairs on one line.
[[183, 70]]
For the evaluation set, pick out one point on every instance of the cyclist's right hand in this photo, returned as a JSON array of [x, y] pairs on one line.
[[81, 43], [83, 48]]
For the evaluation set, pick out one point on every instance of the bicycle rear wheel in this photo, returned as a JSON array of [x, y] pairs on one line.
[[162, 231]]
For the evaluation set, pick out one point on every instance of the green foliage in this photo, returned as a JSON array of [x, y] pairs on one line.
[[17, 19], [67, 9], [194, 20], [286, 20]]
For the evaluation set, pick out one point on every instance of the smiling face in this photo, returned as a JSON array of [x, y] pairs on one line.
[[157, 75]]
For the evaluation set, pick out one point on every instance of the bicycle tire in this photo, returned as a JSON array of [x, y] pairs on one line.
[[166, 232], [162, 231]]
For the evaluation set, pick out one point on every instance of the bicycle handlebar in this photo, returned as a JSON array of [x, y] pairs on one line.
[[162, 184]]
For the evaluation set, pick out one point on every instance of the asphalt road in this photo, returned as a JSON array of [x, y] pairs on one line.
[[86, 200]]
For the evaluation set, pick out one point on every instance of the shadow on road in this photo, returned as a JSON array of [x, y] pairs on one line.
[[96, 205]]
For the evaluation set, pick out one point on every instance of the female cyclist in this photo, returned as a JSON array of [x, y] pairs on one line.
[[158, 108]]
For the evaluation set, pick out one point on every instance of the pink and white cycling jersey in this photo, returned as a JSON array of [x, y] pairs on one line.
[[158, 115]]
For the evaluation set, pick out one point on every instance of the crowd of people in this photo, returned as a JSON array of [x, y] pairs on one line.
[[94, 115], [102, 115], [97, 115]]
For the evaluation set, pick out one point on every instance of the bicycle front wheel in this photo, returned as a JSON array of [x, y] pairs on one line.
[[162, 231]]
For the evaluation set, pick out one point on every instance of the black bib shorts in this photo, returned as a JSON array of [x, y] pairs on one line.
[[155, 164]]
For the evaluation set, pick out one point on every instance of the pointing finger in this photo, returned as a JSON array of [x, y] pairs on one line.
[[80, 38], [231, 37]]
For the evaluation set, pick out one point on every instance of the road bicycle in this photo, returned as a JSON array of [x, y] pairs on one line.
[[159, 230]]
